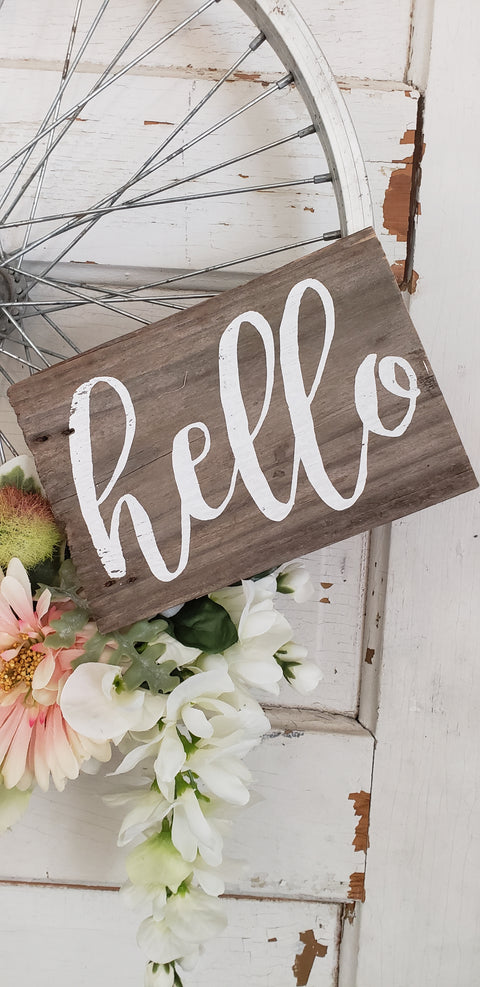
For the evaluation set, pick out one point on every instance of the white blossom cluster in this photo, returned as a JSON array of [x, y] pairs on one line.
[[192, 743]]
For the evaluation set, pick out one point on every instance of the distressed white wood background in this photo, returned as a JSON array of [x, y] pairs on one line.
[[420, 919]]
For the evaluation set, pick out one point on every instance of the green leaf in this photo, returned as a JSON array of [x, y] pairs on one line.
[[286, 666], [47, 573], [67, 585], [206, 625], [144, 670], [66, 628], [17, 477]]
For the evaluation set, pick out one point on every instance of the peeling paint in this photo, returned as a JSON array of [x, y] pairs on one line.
[[248, 76], [356, 890], [349, 912], [398, 271], [361, 805], [369, 655], [324, 600], [304, 961], [157, 123], [326, 585], [308, 209], [274, 938], [396, 206]]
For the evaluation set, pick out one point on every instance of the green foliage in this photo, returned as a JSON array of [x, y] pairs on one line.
[[286, 666], [206, 625], [66, 585], [145, 670], [17, 478], [138, 651], [66, 628]]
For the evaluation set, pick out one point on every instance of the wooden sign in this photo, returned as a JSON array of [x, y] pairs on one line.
[[267, 422]]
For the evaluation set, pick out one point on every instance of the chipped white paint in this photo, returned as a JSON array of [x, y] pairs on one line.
[[365, 40], [62, 936], [421, 918], [304, 772]]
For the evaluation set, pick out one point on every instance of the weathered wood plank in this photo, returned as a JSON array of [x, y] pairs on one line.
[[177, 378], [424, 860], [298, 840], [78, 937], [374, 38], [177, 236]]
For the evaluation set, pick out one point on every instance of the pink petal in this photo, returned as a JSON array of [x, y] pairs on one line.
[[43, 603], [7, 621], [15, 761], [13, 591], [43, 672]]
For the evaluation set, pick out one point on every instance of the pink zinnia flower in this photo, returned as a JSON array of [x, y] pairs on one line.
[[35, 739]]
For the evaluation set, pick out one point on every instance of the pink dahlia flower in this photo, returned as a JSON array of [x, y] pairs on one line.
[[35, 739]]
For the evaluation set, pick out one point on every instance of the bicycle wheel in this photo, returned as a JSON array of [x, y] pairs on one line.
[[113, 216]]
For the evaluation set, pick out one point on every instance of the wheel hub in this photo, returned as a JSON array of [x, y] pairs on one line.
[[13, 289]]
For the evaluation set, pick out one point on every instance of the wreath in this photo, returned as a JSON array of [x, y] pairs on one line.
[[173, 693]]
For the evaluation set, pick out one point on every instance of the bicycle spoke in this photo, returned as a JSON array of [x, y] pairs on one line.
[[4, 440], [19, 359], [58, 103], [142, 202], [306, 131], [282, 83], [143, 171], [53, 325], [68, 71], [325, 237], [24, 335], [108, 82]]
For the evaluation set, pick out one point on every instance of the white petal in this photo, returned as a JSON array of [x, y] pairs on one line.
[[171, 755], [306, 677], [182, 837], [93, 707], [213, 683], [196, 721], [159, 943], [16, 590]]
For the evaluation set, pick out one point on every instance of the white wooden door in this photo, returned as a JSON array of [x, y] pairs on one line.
[[294, 917]]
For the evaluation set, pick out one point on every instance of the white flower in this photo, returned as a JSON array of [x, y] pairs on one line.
[[295, 579], [13, 804], [179, 653], [305, 677], [302, 675], [159, 975], [261, 632], [197, 829], [147, 809], [189, 919], [156, 865], [95, 702]]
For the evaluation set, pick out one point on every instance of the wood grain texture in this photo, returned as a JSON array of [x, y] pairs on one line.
[[304, 773], [88, 937], [171, 372], [374, 39]]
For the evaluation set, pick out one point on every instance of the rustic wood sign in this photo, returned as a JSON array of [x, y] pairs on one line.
[[269, 421]]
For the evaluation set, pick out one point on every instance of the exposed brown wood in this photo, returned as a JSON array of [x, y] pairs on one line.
[[171, 370], [357, 886], [361, 805], [304, 961]]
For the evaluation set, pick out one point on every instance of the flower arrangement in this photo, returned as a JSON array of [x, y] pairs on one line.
[[173, 693]]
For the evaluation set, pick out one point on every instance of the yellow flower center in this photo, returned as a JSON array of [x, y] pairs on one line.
[[22, 667]]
